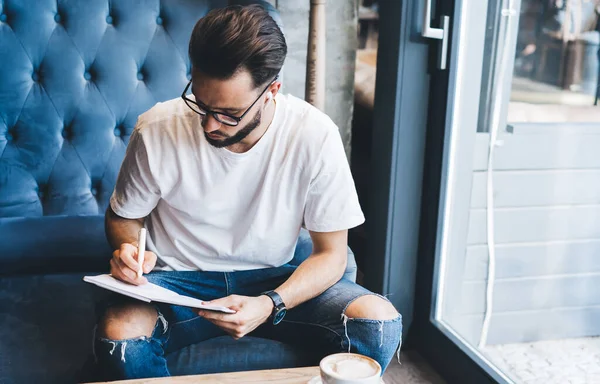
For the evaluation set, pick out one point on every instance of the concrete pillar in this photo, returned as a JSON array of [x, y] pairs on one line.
[[342, 41]]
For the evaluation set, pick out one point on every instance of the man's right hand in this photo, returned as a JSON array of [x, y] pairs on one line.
[[124, 264]]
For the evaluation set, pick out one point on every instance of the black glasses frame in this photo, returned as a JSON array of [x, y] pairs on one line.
[[215, 114]]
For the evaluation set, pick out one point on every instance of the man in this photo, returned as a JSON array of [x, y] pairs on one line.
[[223, 179]]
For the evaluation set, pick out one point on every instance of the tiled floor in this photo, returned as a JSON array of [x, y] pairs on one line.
[[570, 361], [413, 370]]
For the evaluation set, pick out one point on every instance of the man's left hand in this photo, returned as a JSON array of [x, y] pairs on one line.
[[250, 313]]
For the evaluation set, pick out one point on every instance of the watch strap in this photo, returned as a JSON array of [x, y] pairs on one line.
[[277, 300]]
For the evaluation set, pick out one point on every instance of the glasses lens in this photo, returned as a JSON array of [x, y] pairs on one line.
[[195, 107], [226, 119]]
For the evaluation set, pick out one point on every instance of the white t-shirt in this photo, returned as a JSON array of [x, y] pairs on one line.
[[212, 209]]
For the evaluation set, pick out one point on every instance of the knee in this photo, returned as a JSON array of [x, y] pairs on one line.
[[128, 321], [371, 307]]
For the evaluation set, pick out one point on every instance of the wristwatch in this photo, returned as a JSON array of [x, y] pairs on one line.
[[279, 309]]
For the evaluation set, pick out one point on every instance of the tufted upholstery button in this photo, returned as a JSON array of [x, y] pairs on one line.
[[9, 136], [65, 133], [41, 193], [3, 17], [57, 18], [109, 19], [87, 76], [159, 20], [94, 191], [35, 77], [140, 76], [117, 132]]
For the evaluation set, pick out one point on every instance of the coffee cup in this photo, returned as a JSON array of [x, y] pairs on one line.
[[349, 368]]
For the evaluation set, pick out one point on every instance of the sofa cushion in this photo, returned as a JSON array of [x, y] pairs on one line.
[[46, 325]]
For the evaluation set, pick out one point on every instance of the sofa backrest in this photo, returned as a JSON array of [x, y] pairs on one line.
[[74, 77]]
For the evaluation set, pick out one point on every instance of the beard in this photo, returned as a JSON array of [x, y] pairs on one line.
[[239, 136]]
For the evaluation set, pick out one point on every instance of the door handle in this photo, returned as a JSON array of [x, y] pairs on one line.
[[437, 33]]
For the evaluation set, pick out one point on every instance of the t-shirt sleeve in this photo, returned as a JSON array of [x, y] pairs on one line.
[[136, 191], [332, 202]]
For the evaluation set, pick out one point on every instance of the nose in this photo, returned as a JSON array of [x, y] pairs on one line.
[[210, 124]]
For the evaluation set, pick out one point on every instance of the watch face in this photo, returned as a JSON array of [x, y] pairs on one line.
[[279, 316]]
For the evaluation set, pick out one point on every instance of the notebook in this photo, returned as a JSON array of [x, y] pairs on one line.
[[151, 292]]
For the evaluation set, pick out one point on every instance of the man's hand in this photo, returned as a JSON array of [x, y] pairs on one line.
[[250, 313], [124, 264]]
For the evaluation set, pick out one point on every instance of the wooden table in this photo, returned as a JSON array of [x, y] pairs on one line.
[[277, 376]]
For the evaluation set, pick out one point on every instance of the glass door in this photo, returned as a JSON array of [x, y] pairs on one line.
[[509, 253]]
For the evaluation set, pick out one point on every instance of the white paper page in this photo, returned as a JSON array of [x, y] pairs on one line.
[[151, 292]]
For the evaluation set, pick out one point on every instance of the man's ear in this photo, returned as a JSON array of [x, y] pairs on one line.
[[274, 88]]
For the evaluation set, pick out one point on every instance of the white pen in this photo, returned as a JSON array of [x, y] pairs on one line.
[[141, 250]]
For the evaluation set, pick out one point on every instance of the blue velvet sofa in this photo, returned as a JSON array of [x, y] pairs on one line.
[[74, 76]]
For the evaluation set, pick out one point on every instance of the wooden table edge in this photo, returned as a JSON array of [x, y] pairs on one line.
[[278, 376]]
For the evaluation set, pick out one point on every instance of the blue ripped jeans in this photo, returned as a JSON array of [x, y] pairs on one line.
[[320, 323]]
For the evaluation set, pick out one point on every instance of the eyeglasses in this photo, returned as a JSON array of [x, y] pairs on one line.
[[221, 117]]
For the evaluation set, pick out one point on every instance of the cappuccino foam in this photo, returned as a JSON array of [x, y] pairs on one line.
[[351, 367]]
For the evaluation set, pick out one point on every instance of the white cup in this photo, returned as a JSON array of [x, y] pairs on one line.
[[349, 368]]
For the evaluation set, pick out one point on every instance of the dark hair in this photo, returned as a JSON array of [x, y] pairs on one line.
[[234, 38]]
